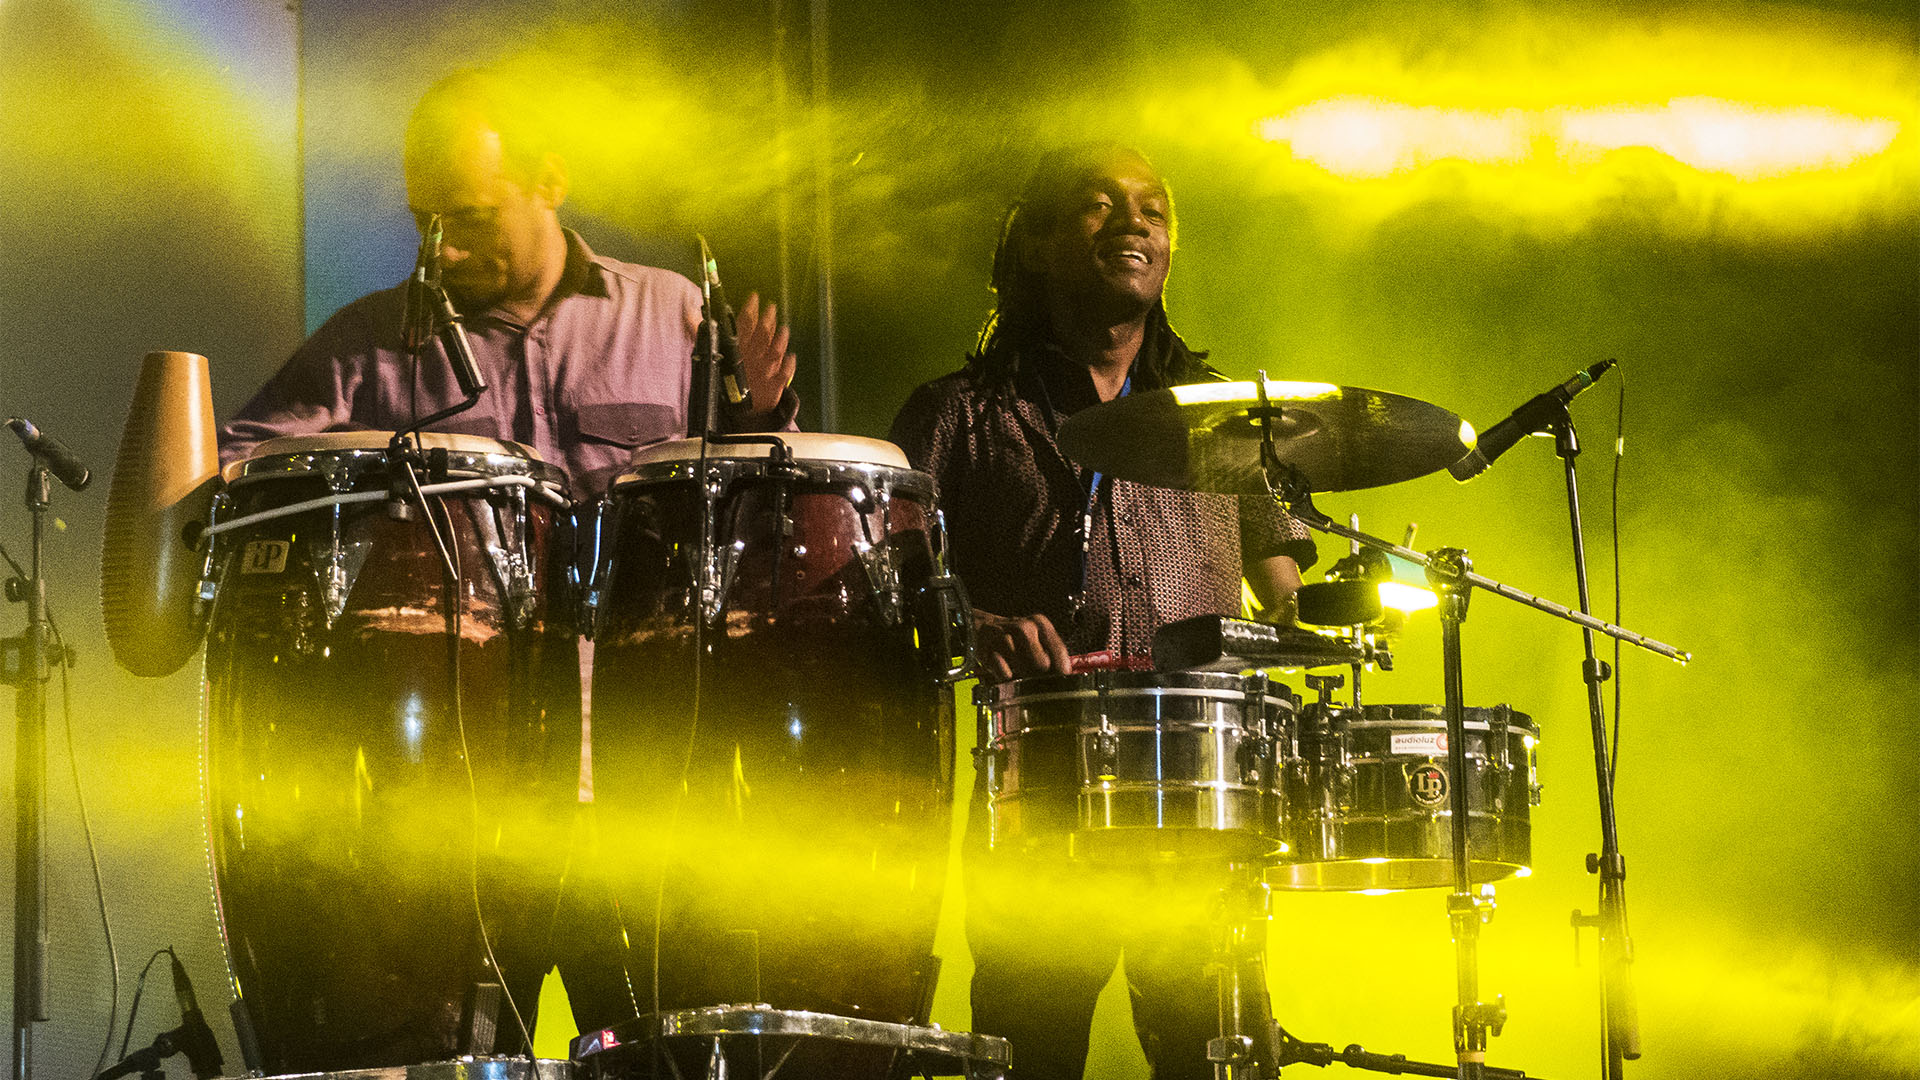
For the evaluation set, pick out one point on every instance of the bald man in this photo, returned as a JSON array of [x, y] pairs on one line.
[[586, 357]]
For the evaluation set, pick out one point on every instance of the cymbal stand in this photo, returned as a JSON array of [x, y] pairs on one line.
[[1473, 1020]]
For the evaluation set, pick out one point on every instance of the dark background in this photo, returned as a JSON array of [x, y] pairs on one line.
[[220, 175]]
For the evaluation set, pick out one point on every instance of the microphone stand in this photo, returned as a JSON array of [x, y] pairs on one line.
[[1452, 575], [28, 675], [1619, 1014]]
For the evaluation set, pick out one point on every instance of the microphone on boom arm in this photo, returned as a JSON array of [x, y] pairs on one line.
[[1534, 416]]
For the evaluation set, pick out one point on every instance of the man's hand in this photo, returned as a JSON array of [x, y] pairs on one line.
[[764, 358], [1014, 648]]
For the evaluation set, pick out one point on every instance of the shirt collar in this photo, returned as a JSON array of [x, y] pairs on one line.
[[580, 275]]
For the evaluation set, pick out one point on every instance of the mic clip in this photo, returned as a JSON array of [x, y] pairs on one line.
[[403, 471]]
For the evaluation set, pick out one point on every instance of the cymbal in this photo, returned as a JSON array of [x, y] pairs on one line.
[[1206, 437]]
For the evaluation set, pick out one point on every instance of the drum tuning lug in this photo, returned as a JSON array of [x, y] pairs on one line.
[[1325, 685], [1106, 754]]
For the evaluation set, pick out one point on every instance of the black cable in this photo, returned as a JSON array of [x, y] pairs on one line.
[[710, 528], [139, 987], [456, 607], [86, 823], [93, 857]]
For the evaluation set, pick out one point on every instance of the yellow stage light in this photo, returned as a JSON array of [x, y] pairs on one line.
[[1362, 138], [1406, 598], [1205, 393]]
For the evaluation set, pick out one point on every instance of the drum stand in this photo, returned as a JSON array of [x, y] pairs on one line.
[[1452, 576], [1239, 961]]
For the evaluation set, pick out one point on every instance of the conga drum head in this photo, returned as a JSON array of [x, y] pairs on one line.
[[476, 454], [804, 445]]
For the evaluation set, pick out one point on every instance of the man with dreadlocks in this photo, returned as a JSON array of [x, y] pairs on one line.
[[1069, 571]]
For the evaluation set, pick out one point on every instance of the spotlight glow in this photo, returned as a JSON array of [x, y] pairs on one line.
[[1206, 393], [1363, 138]]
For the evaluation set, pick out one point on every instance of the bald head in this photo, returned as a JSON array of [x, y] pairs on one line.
[[475, 157]]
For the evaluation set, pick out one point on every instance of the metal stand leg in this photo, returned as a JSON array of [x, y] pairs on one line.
[[29, 793], [1473, 1020], [1619, 1014], [1248, 1046]]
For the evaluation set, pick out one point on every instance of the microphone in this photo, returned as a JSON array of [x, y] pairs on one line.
[[1527, 419], [466, 370], [416, 326], [62, 462], [429, 311], [194, 1038], [733, 379]]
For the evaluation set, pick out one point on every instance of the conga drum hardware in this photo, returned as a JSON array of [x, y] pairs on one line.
[[340, 557], [869, 489]]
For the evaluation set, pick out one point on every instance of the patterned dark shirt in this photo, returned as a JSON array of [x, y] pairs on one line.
[[1014, 503]]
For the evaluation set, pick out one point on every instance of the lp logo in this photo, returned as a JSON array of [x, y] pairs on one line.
[[264, 557], [1427, 784]]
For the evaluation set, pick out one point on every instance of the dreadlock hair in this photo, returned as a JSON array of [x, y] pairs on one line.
[[1020, 322]]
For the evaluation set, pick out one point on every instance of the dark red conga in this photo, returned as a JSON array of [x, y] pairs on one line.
[[346, 700], [773, 729]]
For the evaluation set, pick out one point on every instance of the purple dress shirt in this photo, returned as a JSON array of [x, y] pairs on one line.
[[604, 368]]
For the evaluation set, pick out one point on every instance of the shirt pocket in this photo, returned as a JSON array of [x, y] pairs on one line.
[[628, 424]]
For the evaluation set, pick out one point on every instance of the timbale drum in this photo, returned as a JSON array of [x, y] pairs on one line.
[[773, 726], [1123, 764], [1376, 811], [390, 741]]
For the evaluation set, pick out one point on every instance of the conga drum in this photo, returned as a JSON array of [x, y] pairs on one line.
[[773, 724], [392, 723]]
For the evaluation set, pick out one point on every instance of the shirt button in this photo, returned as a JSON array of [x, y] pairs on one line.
[[1135, 580]]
